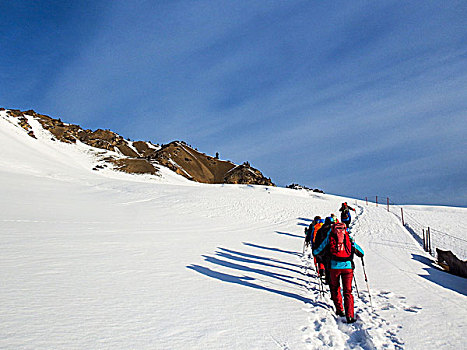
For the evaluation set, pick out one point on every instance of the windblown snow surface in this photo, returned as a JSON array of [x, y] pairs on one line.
[[103, 260]]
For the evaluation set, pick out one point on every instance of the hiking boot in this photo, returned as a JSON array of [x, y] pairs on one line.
[[340, 313], [351, 320]]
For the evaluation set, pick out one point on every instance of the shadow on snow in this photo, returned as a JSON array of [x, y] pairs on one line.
[[245, 281], [289, 234], [281, 277], [271, 249]]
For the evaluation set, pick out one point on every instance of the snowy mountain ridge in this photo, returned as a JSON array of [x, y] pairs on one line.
[[138, 157], [110, 260]]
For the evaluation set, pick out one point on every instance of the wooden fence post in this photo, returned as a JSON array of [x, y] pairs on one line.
[[429, 240], [366, 200], [424, 241], [388, 202], [402, 215], [376, 200]]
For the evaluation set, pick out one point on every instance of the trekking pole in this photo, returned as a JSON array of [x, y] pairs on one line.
[[356, 287], [321, 288], [366, 280]]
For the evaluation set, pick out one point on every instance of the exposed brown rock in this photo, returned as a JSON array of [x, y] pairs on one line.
[[452, 263], [22, 121], [15, 113], [126, 150], [192, 164], [245, 174], [295, 186], [144, 150], [134, 166]]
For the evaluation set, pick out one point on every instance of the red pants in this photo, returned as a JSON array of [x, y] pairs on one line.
[[347, 275]]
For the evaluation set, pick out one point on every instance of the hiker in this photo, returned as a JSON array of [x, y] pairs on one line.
[[311, 235], [319, 223], [322, 260], [334, 218], [339, 248], [309, 231], [345, 213]]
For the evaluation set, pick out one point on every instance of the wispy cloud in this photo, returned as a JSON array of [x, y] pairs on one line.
[[306, 91]]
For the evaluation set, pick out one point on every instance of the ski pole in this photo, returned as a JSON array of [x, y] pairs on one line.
[[366, 280]]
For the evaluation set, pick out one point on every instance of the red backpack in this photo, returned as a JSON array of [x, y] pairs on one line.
[[340, 245]]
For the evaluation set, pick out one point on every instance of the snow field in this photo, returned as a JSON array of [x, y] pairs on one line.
[[103, 260], [448, 226]]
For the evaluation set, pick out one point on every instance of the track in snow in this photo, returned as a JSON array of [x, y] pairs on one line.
[[326, 330]]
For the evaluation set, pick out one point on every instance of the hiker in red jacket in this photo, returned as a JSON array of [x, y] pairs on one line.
[[340, 249]]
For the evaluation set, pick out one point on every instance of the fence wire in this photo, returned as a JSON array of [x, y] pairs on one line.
[[439, 239]]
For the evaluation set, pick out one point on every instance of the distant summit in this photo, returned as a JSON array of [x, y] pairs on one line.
[[143, 157]]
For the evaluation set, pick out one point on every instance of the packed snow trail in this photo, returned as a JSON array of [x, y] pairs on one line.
[[411, 291], [326, 330]]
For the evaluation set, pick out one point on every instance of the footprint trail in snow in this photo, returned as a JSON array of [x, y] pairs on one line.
[[373, 329]]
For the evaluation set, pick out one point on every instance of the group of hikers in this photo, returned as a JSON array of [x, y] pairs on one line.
[[333, 251]]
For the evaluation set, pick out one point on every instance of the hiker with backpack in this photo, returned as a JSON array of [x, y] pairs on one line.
[[322, 260], [311, 230], [345, 214], [311, 234], [334, 218], [338, 249], [319, 223]]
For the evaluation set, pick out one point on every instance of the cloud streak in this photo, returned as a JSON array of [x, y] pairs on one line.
[[308, 92]]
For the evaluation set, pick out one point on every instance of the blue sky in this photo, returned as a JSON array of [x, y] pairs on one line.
[[359, 98]]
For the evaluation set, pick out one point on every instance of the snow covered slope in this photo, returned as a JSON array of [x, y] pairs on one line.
[[101, 260], [447, 226]]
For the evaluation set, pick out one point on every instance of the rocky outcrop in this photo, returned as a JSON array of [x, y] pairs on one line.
[[245, 174], [146, 149], [295, 186], [452, 263], [200, 167], [22, 121], [192, 164], [134, 166], [70, 133], [141, 157]]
